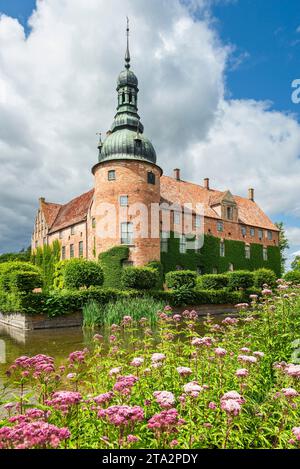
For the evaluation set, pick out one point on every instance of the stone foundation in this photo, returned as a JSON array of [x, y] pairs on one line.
[[29, 323]]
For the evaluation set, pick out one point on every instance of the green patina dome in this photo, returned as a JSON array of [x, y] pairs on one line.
[[126, 139], [127, 77], [127, 144]]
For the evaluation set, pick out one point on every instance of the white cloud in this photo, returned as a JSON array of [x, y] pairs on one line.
[[293, 235], [57, 89]]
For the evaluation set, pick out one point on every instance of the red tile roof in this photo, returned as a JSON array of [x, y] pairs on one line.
[[173, 192], [73, 212], [181, 192]]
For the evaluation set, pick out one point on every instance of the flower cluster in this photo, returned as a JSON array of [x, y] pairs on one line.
[[125, 383], [122, 415], [38, 434], [64, 400], [165, 399], [231, 403], [37, 365], [166, 421]]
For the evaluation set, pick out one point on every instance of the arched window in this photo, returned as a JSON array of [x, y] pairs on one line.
[[130, 97], [123, 97]]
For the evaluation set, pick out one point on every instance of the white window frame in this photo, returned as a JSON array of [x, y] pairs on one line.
[[127, 234]]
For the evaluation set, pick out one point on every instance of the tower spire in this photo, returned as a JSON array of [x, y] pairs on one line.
[[127, 55]]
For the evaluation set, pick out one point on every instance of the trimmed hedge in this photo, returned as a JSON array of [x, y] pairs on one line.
[[181, 278], [111, 262], [264, 276], [212, 281], [6, 269], [198, 297], [140, 278], [82, 273], [159, 267], [293, 276], [240, 279], [24, 281]]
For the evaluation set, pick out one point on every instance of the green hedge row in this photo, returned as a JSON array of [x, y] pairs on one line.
[[238, 279]]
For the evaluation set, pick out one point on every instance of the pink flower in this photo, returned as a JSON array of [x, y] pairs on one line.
[[259, 354], [293, 371], [63, 400], [174, 443], [230, 321], [158, 357], [266, 292], [115, 371], [71, 375], [98, 338], [296, 433], [125, 383], [212, 405], [132, 439], [78, 356], [184, 370], [138, 361], [177, 317], [202, 341], [103, 398], [164, 398], [231, 407], [289, 393], [242, 306], [166, 421], [37, 434], [242, 373], [233, 395], [247, 359], [220, 352], [122, 415], [192, 388], [245, 350]]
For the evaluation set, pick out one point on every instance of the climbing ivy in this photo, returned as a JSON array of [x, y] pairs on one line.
[[208, 257], [111, 262]]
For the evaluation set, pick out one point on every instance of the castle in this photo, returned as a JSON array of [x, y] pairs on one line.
[[237, 233]]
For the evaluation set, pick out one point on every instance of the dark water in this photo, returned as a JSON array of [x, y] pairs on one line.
[[57, 343]]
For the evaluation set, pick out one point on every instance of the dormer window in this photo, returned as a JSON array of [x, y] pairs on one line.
[[229, 212], [111, 175], [151, 177], [220, 226]]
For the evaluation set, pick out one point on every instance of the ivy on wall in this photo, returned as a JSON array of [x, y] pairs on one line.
[[208, 257], [111, 262]]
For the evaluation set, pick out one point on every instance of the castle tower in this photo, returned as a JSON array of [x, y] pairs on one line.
[[127, 180]]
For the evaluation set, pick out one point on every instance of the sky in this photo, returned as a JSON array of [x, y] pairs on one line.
[[215, 79]]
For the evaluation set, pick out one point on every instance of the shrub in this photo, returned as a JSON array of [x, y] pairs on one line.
[[46, 257], [293, 276], [159, 267], [112, 264], [181, 278], [58, 275], [141, 278], [20, 281], [187, 297], [212, 281], [6, 269], [264, 276], [240, 279], [82, 273]]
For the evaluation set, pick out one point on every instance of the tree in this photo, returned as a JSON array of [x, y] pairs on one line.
[[283, 244], [23, 256], [46, 257], [296, 263]]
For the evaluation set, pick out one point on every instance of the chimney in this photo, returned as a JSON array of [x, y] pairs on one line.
[[206, 183], [251, 194], [176, 173], [41, 200]]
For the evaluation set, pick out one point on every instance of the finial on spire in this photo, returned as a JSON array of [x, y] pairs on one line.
[[100, 141], [127, 55]]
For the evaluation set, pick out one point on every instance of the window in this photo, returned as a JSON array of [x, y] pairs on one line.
[[130, 97], [164, 241], [222, 249], [151, 177], [220, 226], [176, 218], [44, 241], [124, 200], [71, 251], [230, 267], [126, 263], [80, 248], [111, 175], [215, 270], [126, 233], [247, 251], [93, 222], [252, 232], [182, 244], [123, 97], [229, 211], [60, 235], [265, 254], [244, 231], [36, 244], [63, 252], [270, 235], [260, 234], [198, 221], [72, 230]]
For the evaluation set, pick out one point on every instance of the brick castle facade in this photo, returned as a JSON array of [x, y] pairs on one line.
[[126, 175]]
